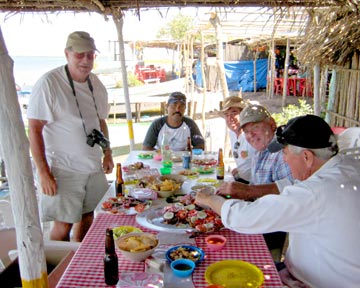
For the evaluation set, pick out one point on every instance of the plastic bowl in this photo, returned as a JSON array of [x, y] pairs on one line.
[[192, 253], [136, 256], [182, 267], [215, 242]]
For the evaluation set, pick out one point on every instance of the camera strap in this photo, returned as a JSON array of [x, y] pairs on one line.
[[71, 82]]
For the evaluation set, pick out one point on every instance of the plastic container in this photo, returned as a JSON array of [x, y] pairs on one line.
[[215, 242], [182, 267]]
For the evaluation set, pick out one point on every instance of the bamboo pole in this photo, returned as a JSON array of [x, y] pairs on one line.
[[286, 73], [203, 77], [316, 90], [215, 21], [15, 148], [119, 22]]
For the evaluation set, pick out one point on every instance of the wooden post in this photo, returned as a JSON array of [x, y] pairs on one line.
[[119, 22], [15, 148], [215, 21], [317, 90]]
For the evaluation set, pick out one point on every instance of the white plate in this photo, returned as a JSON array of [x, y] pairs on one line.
[[153, 218]]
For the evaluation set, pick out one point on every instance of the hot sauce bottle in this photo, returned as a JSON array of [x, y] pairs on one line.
[[220, 168]]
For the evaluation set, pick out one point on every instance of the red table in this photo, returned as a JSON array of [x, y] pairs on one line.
[[86, 267]]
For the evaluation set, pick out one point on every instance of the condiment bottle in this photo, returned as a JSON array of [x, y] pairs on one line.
[[220, 169], [111, 266], [188, 145], [165, 148], [119, 184]]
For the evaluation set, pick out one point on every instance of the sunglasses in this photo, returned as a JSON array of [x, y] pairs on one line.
[[235, 152], [89, 55]]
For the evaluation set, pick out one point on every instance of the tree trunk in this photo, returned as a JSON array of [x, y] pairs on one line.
[[15, 148]]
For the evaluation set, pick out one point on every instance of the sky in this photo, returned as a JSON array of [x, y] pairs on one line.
[[40, 34]]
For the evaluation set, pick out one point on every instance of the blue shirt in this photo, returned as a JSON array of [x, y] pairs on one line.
[[269, 167]]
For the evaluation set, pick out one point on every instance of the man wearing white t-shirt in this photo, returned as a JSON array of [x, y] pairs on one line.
[[67, 126], [242, 151]]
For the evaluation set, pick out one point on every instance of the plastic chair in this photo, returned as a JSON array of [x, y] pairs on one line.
[[278, 86], [349, 141]]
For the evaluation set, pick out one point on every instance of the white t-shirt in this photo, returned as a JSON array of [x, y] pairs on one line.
[[52, 99], [322, 217], [245, 153]]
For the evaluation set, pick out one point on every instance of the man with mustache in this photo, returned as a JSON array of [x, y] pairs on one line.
[[176, 125]]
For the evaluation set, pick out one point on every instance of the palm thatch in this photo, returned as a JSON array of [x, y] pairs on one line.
[[333, 35]]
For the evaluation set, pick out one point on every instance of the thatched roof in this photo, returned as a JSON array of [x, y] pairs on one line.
[[109, 6], [332, 35]]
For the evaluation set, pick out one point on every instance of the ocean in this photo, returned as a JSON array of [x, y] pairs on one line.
[[28, 69]]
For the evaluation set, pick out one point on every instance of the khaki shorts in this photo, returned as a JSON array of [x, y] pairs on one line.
[[77, 194]]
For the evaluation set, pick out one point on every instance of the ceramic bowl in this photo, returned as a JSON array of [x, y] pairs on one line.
[[182, 267], [139, 247], [215, 242], [189, 252]]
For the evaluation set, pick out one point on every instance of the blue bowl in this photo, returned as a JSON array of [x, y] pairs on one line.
[[182, 267], [197, 151], [188, 252]]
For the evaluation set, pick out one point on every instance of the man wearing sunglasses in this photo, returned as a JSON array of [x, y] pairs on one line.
[[320, 210], [67, 128], [242, 151]]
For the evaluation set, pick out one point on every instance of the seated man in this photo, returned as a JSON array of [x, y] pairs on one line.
[[177, 126], [320, 211], [242, 151], [259, 128]]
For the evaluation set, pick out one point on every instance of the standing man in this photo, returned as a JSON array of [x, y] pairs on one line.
[[67, 129], [176, 125], [242, 151]]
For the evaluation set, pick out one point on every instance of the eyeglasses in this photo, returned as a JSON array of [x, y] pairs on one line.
[[89, 55], [235, 152]]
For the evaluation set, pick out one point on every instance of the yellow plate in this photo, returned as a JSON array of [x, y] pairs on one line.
[[234, 274]]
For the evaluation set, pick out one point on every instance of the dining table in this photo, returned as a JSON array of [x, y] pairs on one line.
[[86, 267]]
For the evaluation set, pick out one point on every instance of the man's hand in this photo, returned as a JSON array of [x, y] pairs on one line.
[[108, 164], [235, 190], [48, 183]]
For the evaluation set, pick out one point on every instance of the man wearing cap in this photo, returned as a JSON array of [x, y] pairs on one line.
[[176, 125], [68, 139], [241, 149], [320, 210]]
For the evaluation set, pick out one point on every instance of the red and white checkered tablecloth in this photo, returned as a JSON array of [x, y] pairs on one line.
[[86, 267]]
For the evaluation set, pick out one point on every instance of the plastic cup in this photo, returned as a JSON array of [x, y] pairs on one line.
[[167, 163], [165, 170]]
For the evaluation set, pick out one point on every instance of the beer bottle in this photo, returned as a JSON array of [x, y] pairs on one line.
[[119, 184], [188, 145], [220, 169], [111, 272]]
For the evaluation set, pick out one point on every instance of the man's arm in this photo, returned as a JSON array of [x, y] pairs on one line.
[[242, 191], [108, 163], [37, 146]]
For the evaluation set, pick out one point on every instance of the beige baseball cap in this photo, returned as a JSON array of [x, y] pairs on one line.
[[80, 41], [233, 101], [253, 113]]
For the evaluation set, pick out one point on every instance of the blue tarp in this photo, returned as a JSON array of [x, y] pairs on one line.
[[240, 74]]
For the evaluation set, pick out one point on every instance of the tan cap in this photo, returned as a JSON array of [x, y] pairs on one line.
[[253, 113], [233, 101], [80, 41]]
